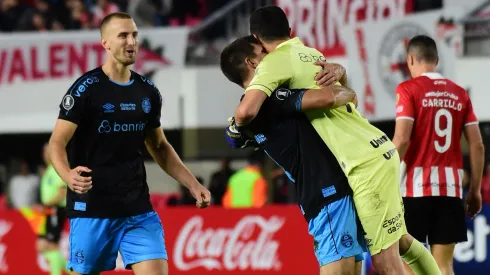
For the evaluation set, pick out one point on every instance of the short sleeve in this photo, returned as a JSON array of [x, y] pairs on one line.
[[75, 101], [272, 72], [470, 117], [405, 108], [289, 100], [156, 110]]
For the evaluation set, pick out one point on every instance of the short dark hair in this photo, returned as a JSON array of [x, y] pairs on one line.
[[232, 60], [424, 48], [270, 23], [114, 15]]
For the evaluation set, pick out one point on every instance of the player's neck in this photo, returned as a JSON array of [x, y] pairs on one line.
[[272, 46], [249, 78], [426, 68], [117, 71]]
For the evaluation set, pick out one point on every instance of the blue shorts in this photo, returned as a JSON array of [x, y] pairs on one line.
[[337, 233], [95, 242]]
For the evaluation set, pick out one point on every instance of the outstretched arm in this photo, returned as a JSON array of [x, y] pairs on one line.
[[166, 157], [327, 97]]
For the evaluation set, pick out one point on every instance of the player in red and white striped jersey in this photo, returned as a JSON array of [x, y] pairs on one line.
[[432, 113]]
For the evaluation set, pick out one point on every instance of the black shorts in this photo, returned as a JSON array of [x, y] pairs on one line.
[[54, 225], [436, 220]]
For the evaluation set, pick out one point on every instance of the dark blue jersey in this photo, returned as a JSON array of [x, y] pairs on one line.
[[287, 136], [112, 119]]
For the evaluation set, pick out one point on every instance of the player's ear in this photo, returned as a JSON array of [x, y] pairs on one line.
[[105, 44], [251, 63], [410, 60]]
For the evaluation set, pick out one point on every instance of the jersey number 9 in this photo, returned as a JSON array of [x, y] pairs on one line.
[[443, 133]]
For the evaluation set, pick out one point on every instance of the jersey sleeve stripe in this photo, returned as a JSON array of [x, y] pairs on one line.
[[405, 117], [74, 86], [471, 123], [251, 87], [299, 101]]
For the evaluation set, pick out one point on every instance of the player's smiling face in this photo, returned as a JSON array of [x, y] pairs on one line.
[[122, 40]]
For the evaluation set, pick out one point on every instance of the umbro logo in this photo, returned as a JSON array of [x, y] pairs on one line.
[[108, 108]]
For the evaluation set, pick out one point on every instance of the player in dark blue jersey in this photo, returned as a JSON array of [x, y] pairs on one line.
[[286, 135], [109, 116]]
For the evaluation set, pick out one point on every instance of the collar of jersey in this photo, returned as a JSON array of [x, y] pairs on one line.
[[289, 42], [433, 75]]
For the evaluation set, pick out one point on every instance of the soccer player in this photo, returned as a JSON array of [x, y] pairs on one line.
[[432, 113], [367, 156], [288, 138], [109, 115], [53, 199]]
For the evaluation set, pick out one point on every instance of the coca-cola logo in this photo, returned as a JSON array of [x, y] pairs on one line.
[[247, 245]]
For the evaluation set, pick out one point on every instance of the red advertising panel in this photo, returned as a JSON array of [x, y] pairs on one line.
[[271, 240]]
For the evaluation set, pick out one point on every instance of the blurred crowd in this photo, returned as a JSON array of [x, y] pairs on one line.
[[55, 15], [255, 183], [266, 185]]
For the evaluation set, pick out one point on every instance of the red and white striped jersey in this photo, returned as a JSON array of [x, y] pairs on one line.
[[440, 109]]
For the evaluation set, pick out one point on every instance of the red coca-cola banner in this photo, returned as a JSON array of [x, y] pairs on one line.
[[271, 240]]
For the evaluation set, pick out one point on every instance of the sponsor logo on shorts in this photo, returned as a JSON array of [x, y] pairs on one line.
[[315, 245], [379, 141], [389, 154], [346, 240], [394, 223], [369, 242], [79, 257]]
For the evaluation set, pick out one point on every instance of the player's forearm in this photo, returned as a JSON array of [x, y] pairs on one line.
[[342, 96], [59, 159], [402, 150], [477, 158], [401, 145], [343, 79], [327, 97], [249, 106], [244, 116], [166, 157]]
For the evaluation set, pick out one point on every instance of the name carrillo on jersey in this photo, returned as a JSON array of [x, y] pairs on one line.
[[432, 99]]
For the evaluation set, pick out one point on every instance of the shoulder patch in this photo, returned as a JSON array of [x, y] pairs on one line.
[[68, 102], [282, 93]]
